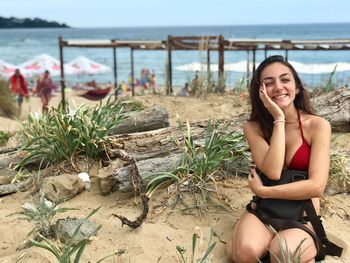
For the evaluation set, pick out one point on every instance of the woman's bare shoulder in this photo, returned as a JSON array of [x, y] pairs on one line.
[[251, 127], [318, 125], [317, 122]]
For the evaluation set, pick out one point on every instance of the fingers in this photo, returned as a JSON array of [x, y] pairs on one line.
[[263, 95]]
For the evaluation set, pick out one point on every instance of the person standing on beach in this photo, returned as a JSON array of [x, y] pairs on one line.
[[284, 136], [44, 89], [18, 87]]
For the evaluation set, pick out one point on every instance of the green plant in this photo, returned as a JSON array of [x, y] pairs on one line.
[[42, 215], [240, 85], [286, 256], [63, 133], [65, 251], [205, 258], [8, 107], [330, 86], [201, 161], [4, 137]]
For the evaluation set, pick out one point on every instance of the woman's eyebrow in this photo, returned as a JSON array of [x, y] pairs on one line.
[[285, 74], [281, 76], [267, 78]]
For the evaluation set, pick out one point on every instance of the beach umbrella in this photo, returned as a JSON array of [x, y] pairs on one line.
[[86, 66], [40, 63], [195, 66], [6, 69]]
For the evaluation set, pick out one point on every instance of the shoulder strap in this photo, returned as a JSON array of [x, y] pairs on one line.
[[327, 247], [300, 126]]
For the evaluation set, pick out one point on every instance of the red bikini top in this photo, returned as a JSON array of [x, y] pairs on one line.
[[301, 158]]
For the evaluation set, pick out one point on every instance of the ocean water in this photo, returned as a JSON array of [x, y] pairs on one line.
[[19, 45]]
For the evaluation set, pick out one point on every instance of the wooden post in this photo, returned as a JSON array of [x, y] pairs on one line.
[[63, 98], [248, 68], [115, 71], [286, 56], [254, 59], [208, 65], [132, 72], [221, 64], [170, 75], [265, 52]]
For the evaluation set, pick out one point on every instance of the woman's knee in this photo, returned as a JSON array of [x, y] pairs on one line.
[[247, 252]]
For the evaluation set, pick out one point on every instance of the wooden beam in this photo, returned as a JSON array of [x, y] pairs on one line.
[[115, 71], [170, 75], [254, 60], [132, 72], [221, 64], [63, 98]]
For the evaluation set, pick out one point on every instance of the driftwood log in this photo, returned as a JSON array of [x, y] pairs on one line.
[[335, 107], [149, 119], [145, 168], [13, 188]]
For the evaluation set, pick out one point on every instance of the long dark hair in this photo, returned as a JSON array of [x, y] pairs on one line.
[[259, 113]]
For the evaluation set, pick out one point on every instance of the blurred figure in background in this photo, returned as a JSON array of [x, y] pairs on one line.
[[18, 87], [44, 89]]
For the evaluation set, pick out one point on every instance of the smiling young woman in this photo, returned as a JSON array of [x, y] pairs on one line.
[[300, 151]]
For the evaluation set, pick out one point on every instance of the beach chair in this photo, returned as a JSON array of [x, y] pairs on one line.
[[95, 94]]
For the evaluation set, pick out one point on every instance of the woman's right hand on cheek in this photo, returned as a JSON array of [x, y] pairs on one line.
[[271, 106]]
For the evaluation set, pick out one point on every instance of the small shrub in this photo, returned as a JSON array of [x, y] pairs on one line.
[[201, 161], [41, 215], [62, 134], [70, 251]]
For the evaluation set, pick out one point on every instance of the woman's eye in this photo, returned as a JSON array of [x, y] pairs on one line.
[[268, 84], [285, 80]]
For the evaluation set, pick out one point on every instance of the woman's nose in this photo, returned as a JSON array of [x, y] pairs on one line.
[[278, 85]]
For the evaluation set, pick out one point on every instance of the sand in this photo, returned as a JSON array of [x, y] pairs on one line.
[[164, 228]]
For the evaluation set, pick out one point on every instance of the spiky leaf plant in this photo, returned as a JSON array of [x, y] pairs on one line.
[[69, 252], [201, 160], [286, 256], [41, 214], [63, 133]]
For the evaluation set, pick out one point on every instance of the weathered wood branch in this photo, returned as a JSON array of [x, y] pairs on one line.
[[335, 107], [162, 142], [13, 188], [152, 118], [145, 168]]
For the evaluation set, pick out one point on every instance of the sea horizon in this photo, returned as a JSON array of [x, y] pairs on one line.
[[21, 44]]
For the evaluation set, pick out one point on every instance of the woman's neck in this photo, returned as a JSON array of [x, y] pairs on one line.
[[291, 115]]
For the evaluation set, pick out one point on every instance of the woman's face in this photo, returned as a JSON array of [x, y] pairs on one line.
[[280, 84]]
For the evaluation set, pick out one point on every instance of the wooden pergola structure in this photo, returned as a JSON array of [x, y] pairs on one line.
[[205, 43]]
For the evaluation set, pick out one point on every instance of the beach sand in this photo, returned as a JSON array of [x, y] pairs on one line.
[[164, 228]]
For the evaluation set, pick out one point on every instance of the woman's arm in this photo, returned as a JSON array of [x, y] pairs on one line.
[[318, 169], [268, 158]]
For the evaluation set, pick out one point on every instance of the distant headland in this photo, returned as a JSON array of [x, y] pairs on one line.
[[14, 22]]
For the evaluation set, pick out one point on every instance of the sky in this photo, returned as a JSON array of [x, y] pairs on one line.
[[136, 13]]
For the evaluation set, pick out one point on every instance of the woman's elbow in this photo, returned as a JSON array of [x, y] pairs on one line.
[[275, 176], [318, 190]]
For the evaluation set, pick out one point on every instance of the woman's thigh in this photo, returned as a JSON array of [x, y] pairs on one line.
[[250, 234], [293, 238]]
